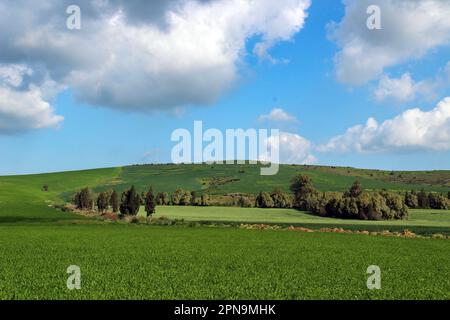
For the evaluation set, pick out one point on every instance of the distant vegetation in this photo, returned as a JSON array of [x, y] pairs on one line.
[[354, 203]]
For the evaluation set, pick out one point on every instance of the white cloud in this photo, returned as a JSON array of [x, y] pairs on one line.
[[412, 130], [187, 54], [292, 148], [401, 89], [405, 89], [410, 29], [25, 110], [277, 115], [23, 107], [12, 75]]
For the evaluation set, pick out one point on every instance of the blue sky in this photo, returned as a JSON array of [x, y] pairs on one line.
[[305, 86]]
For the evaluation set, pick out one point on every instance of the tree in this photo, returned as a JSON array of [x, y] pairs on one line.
[[281, 199], [263, 200], [114, 201], [84, 200], [162, 199], [195, 201], [448, 195], [102, 202], [302, 188], [422, 199], [204, 200], [411, 200], [130, 202], [181, 197], [244, 202], [355, 189], [150, 202]]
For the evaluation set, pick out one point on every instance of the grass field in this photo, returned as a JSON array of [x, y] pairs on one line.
[[420, 221], [118, 260], [149, 262], [247, 178]]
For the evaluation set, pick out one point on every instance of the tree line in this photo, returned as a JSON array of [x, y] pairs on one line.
[[352, 204], [128, 204], [358, 204]]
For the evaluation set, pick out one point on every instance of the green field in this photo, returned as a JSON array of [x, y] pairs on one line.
[[247, 178], [420, 221], [149, 262], [119, 260]]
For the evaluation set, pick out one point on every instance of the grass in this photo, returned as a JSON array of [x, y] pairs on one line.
[[150, 262], [121, 261], [420, 221], [247, 178]]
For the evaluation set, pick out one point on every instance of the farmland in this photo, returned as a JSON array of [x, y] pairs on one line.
[[139, 261], [149, 262]]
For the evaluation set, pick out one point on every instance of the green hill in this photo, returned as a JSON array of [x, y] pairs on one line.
[[223, 179]]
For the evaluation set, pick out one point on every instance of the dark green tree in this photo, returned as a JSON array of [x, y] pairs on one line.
[[84, 199], [263, 200], [130, 202], [302, 188], [102, 201], [422, 199], [355, 189], [150, 203], [162, 199], [114, 201], [204, 200]]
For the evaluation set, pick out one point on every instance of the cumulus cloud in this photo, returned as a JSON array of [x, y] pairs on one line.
[[144, 55], [410, 29], [25, 110], [23, 107], [292, 148], [405, 88], [412, 130], [277, 115]]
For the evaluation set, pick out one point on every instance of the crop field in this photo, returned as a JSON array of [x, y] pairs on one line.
[[140, 261], [421, 221], [150, 262]]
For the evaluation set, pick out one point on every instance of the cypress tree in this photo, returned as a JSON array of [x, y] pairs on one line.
[[150, 203]]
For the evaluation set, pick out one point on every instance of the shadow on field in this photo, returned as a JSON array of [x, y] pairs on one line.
[[28, 219]]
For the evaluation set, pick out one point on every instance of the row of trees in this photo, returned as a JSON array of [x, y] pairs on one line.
[[275, 199], [128, 204], [182, 198], [423, 200], [352, 204]]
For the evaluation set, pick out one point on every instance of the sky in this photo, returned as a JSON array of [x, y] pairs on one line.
[[112, 92]]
